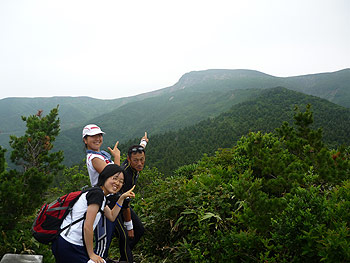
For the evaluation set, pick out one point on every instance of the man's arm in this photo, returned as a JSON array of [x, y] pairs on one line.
[[144, 140], [128, 222]]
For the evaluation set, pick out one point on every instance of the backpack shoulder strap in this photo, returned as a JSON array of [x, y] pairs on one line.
[[93, 188], [73, 223], [103, 153]]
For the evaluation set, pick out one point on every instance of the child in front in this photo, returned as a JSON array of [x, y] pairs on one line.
[[75, 244]]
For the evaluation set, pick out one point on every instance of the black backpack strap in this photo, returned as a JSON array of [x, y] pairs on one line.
[[72, 223], [82, 218]]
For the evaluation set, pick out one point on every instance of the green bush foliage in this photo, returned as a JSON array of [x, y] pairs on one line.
[[274, 197]]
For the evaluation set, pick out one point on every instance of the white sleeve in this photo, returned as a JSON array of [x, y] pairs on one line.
[[93, 174]]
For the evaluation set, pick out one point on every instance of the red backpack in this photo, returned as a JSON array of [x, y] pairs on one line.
[[47, 225]]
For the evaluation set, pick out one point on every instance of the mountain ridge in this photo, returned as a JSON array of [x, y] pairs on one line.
[[264, 113], [205, 95]]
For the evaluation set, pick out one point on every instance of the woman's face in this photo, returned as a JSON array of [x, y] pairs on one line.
[[93, 142], [114, 183]]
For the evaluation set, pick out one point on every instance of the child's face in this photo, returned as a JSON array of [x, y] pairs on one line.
[[114, 183], [93, 142]]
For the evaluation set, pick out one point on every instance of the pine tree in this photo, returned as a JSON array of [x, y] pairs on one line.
[[22, 189]]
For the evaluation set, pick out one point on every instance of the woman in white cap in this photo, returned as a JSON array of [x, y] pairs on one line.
[[96, 160]]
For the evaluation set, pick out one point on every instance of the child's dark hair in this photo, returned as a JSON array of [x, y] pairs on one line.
[[108, 171]]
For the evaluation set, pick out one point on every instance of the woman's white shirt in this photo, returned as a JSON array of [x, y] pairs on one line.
[[93, 174], [75, 232]]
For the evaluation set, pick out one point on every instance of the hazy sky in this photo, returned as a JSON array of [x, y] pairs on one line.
[[111, 48]]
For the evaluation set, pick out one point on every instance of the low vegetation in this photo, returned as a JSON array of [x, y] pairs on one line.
[[280, 196]]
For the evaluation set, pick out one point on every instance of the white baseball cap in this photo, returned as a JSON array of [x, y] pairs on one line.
[[92, 129]]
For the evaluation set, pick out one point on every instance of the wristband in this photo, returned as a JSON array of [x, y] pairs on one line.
[[143, 143], [128, 225], [118, 205]]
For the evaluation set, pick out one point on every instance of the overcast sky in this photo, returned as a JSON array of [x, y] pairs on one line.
[[110, 49]]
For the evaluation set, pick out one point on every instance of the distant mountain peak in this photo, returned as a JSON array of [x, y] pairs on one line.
[[197, 77]]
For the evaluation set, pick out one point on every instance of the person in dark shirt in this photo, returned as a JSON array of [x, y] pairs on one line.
[[128, 227], [132, 166]]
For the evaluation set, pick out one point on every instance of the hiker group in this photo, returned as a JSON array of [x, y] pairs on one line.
[[89, 220]]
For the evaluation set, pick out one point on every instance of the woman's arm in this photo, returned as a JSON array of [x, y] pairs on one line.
[[112, 214], [91, 213], [98, 164]]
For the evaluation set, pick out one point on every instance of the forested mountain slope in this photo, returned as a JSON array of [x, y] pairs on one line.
[[264, 113], [195, 97], [333, 86], [71, 110], [154, 115]]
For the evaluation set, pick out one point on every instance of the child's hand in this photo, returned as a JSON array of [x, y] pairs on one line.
[[129, 193], [96, 259]]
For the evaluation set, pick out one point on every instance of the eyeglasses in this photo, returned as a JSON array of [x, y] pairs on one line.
[[117, 180], [120, 181]]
